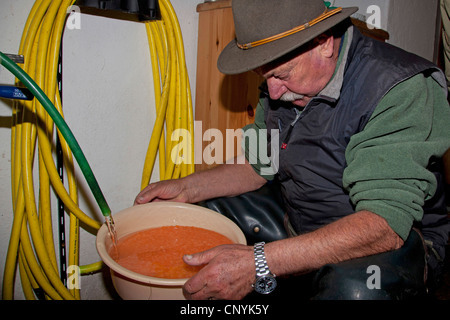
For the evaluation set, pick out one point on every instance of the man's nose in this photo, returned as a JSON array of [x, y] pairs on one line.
[[276, 88]]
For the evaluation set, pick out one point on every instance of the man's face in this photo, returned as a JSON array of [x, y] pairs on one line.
[[299, 78]]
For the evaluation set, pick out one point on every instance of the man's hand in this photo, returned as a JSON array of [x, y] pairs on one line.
[[229, 273], [221, 181], [166, 190]]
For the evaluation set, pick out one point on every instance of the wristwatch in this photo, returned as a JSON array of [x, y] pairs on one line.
[[265, 281]]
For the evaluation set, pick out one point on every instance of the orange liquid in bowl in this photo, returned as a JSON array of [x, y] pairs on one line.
[[158, 252]]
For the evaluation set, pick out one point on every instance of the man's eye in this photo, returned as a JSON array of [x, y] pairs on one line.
[[282, 75]]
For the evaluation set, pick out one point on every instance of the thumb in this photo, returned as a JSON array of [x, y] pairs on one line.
[[199, 258]]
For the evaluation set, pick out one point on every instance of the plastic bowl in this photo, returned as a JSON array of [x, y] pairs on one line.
[[134, 286]]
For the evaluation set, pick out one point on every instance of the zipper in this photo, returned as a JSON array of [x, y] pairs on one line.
[[291, 126]]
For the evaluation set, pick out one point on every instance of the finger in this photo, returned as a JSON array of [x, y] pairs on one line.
[[196, 259], [196, 288], [193, 291], [203, 257], [146, 195], [202, 294]]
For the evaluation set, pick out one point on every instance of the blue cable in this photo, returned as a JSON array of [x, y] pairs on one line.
[[11, 92]]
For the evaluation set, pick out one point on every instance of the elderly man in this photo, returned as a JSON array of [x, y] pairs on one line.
[[361, 124]]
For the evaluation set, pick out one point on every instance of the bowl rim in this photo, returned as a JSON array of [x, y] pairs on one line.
[[117, 268]]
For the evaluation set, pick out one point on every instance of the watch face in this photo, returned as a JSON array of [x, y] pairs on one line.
[[265, 284]]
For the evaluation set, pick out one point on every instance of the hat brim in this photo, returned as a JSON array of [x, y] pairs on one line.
[[233, 60]]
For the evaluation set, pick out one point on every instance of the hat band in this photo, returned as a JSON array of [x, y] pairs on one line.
[[320, 18]]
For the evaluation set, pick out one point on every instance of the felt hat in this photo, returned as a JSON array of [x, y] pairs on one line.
[[269, 29]]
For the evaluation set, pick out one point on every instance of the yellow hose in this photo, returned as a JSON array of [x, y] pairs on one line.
[[157, 85], [174, 107], [31, 245], [37, 259]]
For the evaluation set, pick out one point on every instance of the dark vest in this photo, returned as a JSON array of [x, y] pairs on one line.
[[311, 167]]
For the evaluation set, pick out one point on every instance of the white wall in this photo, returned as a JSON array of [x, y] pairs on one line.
[[363, 5], [108, 104], [414, 26], [108, 98], [411, 23]]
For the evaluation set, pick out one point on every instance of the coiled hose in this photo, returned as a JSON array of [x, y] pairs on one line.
[[32, 128], [173, 100]]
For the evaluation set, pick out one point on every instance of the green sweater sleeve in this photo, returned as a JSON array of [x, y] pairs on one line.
[[386, 162], [251, 144]]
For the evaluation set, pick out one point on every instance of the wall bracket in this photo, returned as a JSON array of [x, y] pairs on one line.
[[144, 9]]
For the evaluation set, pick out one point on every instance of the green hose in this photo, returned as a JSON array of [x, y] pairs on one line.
[[62, 127]]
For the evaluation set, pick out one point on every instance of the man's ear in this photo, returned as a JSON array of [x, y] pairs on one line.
[[325, 44]]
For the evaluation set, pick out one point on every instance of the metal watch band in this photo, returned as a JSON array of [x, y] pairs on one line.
[[260, 260]]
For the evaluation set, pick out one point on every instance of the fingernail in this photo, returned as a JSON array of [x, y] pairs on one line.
[[188, 256]]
